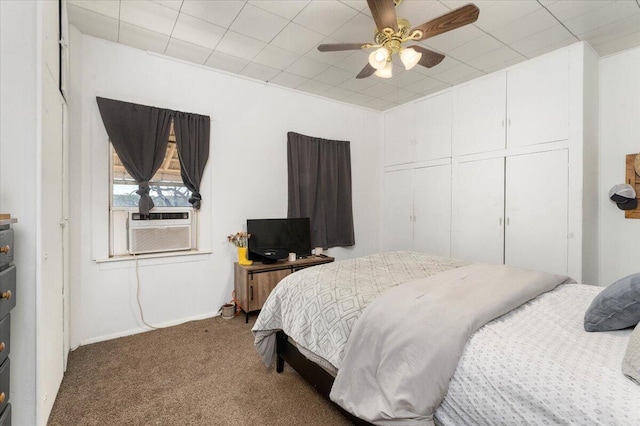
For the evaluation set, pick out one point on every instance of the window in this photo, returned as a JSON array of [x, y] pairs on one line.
[[166, 188]]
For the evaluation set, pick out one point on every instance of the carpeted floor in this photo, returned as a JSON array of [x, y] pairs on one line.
[[200, 373]]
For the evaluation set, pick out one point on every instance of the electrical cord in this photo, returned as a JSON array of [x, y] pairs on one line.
[[138, 296]]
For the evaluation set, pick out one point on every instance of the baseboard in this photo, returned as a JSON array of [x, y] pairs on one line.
[[145, 329]]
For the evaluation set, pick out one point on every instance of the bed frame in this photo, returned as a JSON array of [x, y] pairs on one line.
[[320, 379]]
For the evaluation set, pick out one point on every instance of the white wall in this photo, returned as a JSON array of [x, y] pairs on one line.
[[246, 177], [619, 136], [20, 138]]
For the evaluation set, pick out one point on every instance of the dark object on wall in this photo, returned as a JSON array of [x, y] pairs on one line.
[[290, 235], [320, 188], [624, 196], [139, 135], [192, 141]]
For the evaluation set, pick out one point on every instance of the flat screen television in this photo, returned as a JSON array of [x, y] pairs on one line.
[[292, 235]]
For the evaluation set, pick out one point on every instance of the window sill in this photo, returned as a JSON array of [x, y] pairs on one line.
[[147, 259]]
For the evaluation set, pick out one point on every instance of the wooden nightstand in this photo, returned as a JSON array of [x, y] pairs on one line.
[[253, 283]]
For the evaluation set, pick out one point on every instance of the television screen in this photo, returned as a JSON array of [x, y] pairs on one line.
[[292, 235]]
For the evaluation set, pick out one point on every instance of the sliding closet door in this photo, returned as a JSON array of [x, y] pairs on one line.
[[477, 232], [432, 209], [398, 211], [536, 211]]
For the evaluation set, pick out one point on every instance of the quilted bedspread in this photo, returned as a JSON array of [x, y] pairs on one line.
[[317, 307]]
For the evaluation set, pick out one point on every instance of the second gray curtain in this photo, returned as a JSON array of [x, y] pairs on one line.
[[320, 188], [139, 135], [192, 141]]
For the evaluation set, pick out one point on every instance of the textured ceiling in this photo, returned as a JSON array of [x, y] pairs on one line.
[[276, 41]]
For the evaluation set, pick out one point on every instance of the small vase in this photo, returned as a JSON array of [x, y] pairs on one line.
[[242, 256]]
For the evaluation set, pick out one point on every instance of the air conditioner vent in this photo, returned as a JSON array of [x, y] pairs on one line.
[[159, 232]]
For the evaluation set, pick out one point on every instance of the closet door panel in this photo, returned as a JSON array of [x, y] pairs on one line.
[[479, 113], [477, 232], [433, 127], [536, 211], [538, 100], [399, 135], [397, 211], [432, 208]]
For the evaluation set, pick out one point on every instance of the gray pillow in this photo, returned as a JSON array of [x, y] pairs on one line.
[[631, 361], [616, 307]]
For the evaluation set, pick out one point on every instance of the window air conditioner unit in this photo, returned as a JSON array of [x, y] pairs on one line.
[[159, 232]]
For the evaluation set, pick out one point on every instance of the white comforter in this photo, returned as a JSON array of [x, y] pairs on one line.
[[537, 366]]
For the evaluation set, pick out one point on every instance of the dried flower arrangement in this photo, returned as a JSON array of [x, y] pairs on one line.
[[240, 239]]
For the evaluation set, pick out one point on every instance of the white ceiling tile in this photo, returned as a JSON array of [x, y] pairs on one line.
[[287, 9], [275, 57], [358, 99], [359, 5], [313, 86], [142, 38], [407, 78], [187, 51], [306, 67], [602, 16], [495, 57], [259, 72], [355, 62], [258, 23], [92, 23], [502, 13], [504, 65], [360, 84], [551, 47], [226, 62], [298, 39], [527, 46], [452, 39], [240, 45], [325, 17], [361, 29], [427, 85], [619, 44], [108, 8], [337, 93], [217, 12], [334, 76], [399, 95], [526, 26], [380, 104], [567, 9], [330, 58], [151, 16], [612, 31], [379, 89], [197, 31], [288, 80], [458, 74], [173, 4], [476, 47]]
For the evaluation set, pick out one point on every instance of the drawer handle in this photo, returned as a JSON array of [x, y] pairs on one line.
[[2, 397], [5, 249], [2, 346], [6, 295]]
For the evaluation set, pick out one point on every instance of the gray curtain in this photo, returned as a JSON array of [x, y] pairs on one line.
[[320, 188], [139, 135], [192, 141]]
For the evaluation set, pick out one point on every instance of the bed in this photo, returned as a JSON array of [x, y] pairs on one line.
[[534, 364]]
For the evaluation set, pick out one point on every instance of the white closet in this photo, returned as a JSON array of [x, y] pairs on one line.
[[511, 145]]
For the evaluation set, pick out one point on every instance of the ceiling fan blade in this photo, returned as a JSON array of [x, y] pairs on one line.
[[429, 57], [367, 71], [340, 46], [384, 13], [450, 21]]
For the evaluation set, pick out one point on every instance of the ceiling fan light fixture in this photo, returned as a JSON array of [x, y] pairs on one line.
[[410, 57], [385, 72], [378, 58]]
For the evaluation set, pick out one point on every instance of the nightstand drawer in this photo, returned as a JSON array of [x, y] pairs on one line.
[[7, 290], [4, 383], [5, 337]]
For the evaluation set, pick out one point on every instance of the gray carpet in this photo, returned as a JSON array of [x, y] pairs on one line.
[[200, 373]]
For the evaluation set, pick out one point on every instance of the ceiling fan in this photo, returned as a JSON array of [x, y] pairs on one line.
[[393, 31]]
